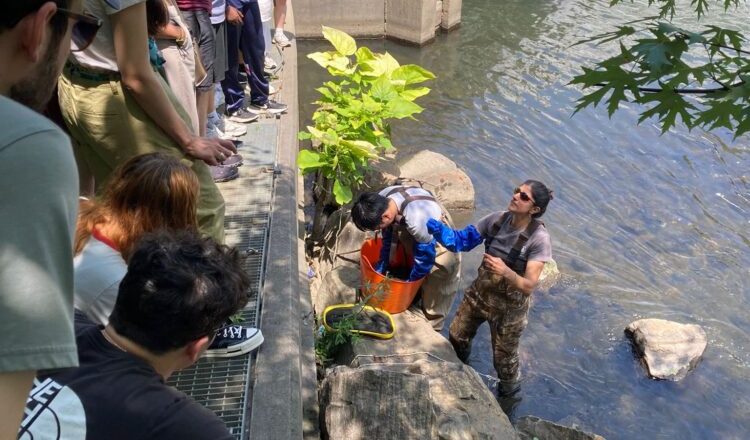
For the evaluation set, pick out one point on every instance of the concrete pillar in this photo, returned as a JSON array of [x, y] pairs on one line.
[[358, 18], [412, 21], [451, 14]]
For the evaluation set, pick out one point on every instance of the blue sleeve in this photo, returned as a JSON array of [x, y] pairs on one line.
[[385, 252], [424, 258], [455, 240], [237, 4]]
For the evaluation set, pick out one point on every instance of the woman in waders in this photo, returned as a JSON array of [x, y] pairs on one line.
[[516, 246]]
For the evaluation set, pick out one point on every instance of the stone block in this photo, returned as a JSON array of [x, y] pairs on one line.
[[411, 21], [451, 17], [534, 428], [670, 350], [358, 18], [443, 178]]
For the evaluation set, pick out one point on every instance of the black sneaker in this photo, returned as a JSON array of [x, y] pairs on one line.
[[234, 340], [242, 116], [270, 106]]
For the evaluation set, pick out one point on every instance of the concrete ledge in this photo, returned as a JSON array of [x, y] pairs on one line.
[[358, 18], [284, 404], [410, 20]]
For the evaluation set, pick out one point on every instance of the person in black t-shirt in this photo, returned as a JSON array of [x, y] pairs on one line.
[[178, 290]]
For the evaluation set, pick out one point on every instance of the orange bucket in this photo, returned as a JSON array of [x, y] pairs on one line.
[[397, 295]]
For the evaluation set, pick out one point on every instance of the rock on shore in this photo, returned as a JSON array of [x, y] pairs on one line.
[[534, 428], [669, 349]]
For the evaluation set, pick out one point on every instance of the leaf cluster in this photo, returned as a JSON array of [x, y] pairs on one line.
[[351, 121], [702, 78]]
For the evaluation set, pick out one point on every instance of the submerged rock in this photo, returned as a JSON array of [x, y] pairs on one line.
[[423, 399], [669, 349], [530, 428]]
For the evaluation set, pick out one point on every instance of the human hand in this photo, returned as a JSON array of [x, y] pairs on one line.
[[234, 16], [434, 226], [210, 150], [495, 264]]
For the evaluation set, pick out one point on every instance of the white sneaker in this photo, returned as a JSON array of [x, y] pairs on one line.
[[234, 129], [280, 39], [272, 90], [269, 64]]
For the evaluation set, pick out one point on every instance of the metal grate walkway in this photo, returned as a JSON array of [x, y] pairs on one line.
[[223, 385]]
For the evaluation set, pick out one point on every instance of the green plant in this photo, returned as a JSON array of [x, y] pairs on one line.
[[351, 121], [329, 341], [702, 77]]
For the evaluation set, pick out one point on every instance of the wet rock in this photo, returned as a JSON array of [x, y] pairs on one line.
[[442, 177], [549, 276], [456, 404], [381, 174], [534, 428], [669, 349]]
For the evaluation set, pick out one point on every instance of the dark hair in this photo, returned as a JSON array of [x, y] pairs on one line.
[[368, 210], [179, 287], [15, 11], [157, 16], [541, 194]]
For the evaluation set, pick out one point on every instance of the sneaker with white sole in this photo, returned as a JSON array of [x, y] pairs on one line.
[[234, 129], [280, 39], [271, 107], [223, 174], [269, 64], [234, 340], [242, 116], [234, 161]]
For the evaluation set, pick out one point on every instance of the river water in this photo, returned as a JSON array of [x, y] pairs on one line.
[[642, 225]]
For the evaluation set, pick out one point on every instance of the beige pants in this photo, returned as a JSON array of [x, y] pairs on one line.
[[109, 127]]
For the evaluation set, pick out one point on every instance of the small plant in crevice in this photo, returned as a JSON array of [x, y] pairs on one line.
[[328, 342]]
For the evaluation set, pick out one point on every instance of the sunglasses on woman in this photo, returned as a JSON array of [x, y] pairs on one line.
[[522, 195], [84, 29]]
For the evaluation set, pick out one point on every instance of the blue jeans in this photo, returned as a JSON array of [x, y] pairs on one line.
[[249, 39]]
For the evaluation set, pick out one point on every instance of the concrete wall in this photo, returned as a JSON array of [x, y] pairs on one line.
[[412, 21]]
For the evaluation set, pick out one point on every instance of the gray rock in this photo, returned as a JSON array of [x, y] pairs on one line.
[[534, 428], [442, 177], [669, 349], [456, 405], [338, 286]]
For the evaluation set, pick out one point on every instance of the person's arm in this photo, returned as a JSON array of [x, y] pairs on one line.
[[424, 258], [171, 32], [233, 14], [525, 283], [131, 49], [455, 240], [14, 390], [385, 251]]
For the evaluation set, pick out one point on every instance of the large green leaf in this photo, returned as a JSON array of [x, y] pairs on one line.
[[412, 94], [401, 108], [412, 74], [342, 192], [343, 43], [308, 160], [382, 90]]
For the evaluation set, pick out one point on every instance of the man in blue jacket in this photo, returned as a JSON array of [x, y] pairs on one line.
[[402, 213]]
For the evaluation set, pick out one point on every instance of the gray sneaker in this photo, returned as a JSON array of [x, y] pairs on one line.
[[242, 116], [223, 174], [233, 161], [271, 107]]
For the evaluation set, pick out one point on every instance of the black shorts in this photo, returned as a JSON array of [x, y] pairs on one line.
[[221, 63]]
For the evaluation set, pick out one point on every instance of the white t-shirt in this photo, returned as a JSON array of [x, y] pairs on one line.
[[266, 10], [100, 55], [417, 213], [98, 270]]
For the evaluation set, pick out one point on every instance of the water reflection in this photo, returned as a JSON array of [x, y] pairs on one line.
[[642, 225]]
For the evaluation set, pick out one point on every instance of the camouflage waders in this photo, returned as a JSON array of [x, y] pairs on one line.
[[488, 299]]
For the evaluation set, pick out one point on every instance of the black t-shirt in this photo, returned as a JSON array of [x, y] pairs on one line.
[[112, 395]]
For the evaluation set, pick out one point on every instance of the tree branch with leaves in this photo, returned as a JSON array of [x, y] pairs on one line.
[[702, 77]]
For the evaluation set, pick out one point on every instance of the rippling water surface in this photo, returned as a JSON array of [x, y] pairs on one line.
[[642, 225]]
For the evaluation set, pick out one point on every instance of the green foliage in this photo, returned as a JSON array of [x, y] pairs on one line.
[[351, 122], [329, 341], [702, 77]]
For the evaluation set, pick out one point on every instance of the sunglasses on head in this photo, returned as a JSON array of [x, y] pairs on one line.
[[84, 29], [522, 195]]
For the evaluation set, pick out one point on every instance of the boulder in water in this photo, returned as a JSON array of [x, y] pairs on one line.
[[534, 428], [669, 349]]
